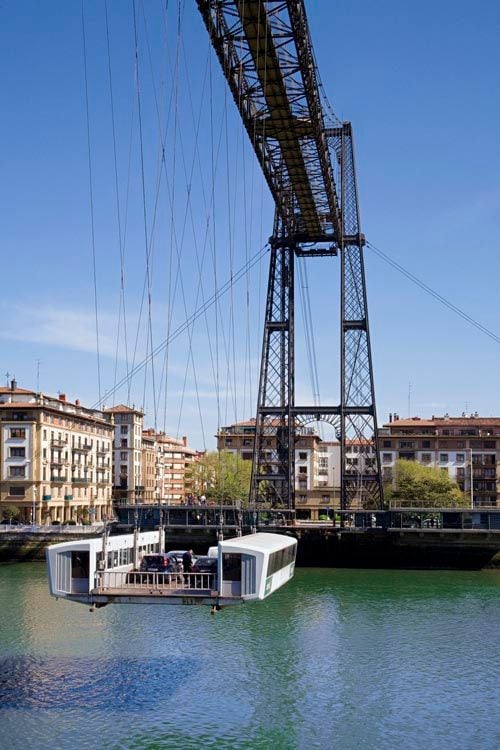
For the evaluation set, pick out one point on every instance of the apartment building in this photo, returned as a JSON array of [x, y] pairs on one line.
[[174, 457], [466, 447], [317, 465], [55, 457], [128, 485], [149, 459]]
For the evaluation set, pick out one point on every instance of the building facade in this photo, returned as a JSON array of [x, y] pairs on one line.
[[149, 459], [317, 466], [466, 447], [174, 458], [55, 458], [128, 485]]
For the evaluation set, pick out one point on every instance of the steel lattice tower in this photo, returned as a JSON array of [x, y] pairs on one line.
[[265, 51]]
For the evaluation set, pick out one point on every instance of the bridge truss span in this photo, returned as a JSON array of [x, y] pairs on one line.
[[307, 157]]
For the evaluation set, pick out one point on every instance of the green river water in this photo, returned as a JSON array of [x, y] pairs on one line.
[[337, 659]]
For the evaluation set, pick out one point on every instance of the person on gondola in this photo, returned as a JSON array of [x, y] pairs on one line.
[[187, 563]]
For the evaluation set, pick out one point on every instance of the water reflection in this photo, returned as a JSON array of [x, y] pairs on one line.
[[337, 659]]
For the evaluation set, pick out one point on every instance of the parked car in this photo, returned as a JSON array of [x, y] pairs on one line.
[[205, 564], [176, 557], [159, 562]]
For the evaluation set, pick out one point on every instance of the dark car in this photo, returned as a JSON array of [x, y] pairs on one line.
[[156, 563], [205, 564]]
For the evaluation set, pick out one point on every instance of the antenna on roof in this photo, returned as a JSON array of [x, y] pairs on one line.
[[38, 363], [409, 399], [7, 375]]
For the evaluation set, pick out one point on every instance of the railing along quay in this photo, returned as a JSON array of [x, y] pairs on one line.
[[230, 517]]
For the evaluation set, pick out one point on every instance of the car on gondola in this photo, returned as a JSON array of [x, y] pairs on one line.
[[207, 568]]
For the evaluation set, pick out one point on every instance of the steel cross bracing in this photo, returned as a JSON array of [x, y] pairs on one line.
[[265, 51], [266, 55]]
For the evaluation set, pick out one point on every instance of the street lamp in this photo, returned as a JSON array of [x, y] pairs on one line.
[[33, 506], [471, 482]]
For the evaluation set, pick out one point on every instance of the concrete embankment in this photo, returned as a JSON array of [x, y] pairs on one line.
[[321, 547], [372, 548], [28, 546]]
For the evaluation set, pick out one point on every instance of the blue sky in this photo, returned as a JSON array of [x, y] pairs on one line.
[[419, 82]]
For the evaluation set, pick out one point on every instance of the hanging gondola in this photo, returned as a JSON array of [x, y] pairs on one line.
[[101, 571]]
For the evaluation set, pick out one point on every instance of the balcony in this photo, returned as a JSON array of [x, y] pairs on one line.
[[58, 462], [59, 479], [102, 452], [82, 447], [46, 498], [81, 480], [68, 498], [56, 443]]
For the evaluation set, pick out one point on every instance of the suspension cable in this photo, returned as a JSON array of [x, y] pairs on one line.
[[121, 306], [254, 260], [144, 214], [91, 196], [432, 292]]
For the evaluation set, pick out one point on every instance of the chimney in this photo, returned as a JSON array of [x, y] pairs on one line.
[[62, 397], [13, 385], [77, 402], [390, 417], [184, 440]]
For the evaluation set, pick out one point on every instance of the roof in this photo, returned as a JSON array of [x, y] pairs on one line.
[[122, 409], [4, 389], [444, 421], [261, 542], [53, 405]]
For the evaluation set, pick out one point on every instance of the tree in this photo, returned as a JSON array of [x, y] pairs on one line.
[[417, 486], [10, 513], [221, 476]]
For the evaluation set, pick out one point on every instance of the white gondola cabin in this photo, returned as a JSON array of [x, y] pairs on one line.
[[106, 570]]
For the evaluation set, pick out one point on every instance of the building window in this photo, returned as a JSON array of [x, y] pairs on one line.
[[17, 471], [247, 442], [387, 443], [17, 491], [17, 432], [443, 458], [123, 430], [460, 458], [406, 443], [247, 455], [302, 456], [387, 458], [302, 498], [302, 469], [426, 458], [426, 443], [124, 444], [18, 452], [123, 455]]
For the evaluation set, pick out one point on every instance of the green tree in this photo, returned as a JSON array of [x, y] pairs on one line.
[[10, 513], [221, 476], [417, 486]]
